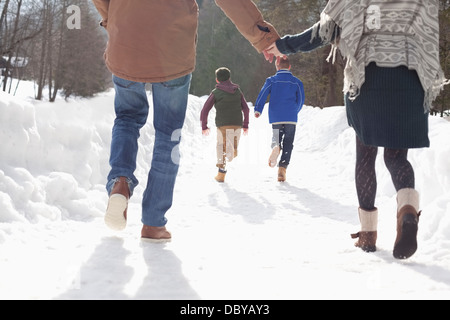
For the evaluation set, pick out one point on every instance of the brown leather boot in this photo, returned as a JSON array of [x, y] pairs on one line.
[[155, 234], [407, 223], [366, 240], [281, 174], [116, 212], [368, 236]]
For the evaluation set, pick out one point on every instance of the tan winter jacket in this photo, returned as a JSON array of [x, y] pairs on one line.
[[155, 40]]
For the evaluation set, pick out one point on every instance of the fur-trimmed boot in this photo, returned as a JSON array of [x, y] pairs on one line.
[[407, 223], [367, 237]]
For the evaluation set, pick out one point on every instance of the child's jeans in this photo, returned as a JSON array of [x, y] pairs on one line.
[[227, 144], [283, 136]]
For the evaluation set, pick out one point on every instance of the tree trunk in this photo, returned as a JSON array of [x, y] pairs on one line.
[[13, 40]]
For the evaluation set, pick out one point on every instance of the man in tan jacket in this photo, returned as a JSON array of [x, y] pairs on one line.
[[155, 42]]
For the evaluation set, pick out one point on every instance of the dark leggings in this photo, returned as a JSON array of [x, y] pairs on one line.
[[402, 173]]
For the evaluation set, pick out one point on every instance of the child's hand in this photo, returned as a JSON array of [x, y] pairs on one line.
[[272, 52], [245, 131], [205, 132], [257, 114]]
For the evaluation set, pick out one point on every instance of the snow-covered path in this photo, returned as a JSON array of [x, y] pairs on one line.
[[249, 238]]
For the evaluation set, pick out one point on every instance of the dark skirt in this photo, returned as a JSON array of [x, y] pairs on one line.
[[389, 109]]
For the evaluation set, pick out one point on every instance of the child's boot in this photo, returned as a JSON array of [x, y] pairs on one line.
[[367, 237], [407, 223], [281, 174], [221, 176]]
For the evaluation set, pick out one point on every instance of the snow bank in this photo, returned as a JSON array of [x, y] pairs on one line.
[[52, 155]]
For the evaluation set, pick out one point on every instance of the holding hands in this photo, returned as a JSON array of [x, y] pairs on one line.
[[272, 52]]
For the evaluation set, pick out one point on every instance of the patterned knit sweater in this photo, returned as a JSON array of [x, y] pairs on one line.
[[390, 33]]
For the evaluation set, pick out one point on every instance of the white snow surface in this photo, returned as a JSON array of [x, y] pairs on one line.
[[249, 238]]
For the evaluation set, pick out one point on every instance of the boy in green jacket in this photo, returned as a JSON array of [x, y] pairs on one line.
[[232, 115]]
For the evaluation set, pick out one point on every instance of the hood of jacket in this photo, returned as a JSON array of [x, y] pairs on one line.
[[227, 86]]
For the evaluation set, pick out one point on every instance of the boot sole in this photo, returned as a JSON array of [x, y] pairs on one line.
[[273, 159], [114, 217], [149, 240], [369, 248], [407, 244]]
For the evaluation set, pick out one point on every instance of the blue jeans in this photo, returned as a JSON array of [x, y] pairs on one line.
[[169, 112], [283, 136]]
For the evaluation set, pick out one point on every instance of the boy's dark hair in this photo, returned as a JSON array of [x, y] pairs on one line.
[[223, 74], [284, 63]]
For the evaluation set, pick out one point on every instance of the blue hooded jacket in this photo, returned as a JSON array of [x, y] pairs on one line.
[[287, 97]]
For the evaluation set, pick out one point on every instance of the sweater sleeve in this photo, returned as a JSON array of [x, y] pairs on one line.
[[245, 111], [249, 21], [205, 111], [303, 42]]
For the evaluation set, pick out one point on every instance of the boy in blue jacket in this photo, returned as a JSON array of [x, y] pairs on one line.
[[287, 97]]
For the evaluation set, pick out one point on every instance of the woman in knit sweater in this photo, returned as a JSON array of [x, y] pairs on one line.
[[392, 76]]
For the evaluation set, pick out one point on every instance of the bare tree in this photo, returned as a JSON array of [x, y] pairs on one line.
[[83, 71], [2, 22], [69, 59], [16, 30]]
